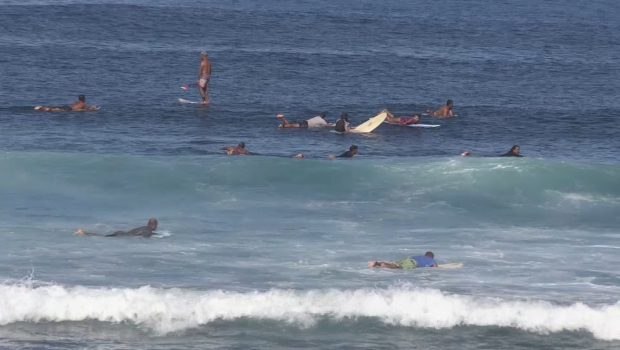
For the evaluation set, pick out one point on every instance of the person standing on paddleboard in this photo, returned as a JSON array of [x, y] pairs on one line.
[[204, 77]]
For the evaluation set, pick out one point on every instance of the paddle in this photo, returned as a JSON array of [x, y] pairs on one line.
[[187, 86]]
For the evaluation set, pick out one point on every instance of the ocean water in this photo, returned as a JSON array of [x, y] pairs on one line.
[[270, 252]]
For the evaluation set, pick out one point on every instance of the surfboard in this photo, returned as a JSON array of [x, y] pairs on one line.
[[415, 125], [371, 124], [182, 100], [454, 265]]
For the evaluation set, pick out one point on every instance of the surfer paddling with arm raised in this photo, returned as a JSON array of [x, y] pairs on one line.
[[144, 231], [402, 120], [444, 111], [80, 105], [412, 262], [514, 152], [236, 150], [204, 77]]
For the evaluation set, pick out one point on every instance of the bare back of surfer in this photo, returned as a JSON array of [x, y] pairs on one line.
[[144, 231], [204, 77], [444, 111], [402, 120], [236, 150], [80, 105]]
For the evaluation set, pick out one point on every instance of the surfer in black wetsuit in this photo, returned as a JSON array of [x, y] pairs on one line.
[[348, 154], [144, 231], [514, 152]]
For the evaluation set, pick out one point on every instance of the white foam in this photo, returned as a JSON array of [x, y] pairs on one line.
[[170, 310]]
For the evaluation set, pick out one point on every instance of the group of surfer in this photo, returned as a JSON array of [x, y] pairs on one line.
[[147, 231]]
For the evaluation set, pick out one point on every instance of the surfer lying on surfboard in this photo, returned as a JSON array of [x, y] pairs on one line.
[[402, 120], [309, 123], [514, 152], [236, 150], [144, 231], [348, 154], [80, 105], [444, 111], [412, 262]]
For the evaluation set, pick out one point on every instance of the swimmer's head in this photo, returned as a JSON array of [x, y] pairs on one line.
[[241, 144], [152, 224], [515, 149], [430, 255], [449, 103], [353, 149], [322, 115], [82, 98], [203, 54], [344, 116]]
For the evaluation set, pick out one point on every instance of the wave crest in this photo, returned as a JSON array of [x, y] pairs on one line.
[[169, 310]]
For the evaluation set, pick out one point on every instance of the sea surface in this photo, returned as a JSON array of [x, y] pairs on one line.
[[270, 252]]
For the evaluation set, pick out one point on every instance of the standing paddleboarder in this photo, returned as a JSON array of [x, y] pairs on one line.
[[204, 77]]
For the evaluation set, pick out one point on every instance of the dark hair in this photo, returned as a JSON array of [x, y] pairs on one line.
[[430, 255], [352, 147], [322, 115], [82, 98], [449, 102], [513, 147], [344, 116], [241, 144]]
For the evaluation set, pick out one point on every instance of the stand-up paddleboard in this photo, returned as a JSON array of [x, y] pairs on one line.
[[371, 124], [38, 108], [454, 265], [415, 125], [182, 100]]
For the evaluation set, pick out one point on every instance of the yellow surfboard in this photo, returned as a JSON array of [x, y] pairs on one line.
[[371, 124]]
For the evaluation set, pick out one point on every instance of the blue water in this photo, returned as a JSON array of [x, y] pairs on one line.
[[267, 251]]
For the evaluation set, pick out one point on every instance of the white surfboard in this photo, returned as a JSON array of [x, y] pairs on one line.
[[415, 125], [182, 100], [371, 124], [454, 265]]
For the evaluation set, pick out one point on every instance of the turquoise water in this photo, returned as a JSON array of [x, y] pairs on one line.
[[268, 251]]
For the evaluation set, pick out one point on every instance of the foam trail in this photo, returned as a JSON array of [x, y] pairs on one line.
[[170, 310]]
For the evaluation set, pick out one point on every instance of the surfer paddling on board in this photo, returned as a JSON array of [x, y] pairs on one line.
[[348, 154], [204, 77], [236, 150], [444, 111], [310, 123], [402, 120], [412, 262], [80, 105], [342, 125], [514, 152], [144, 231]]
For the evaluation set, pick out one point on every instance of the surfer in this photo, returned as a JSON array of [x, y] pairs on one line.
[[236, 150], [402, 120], [412, 262], [342, 125], [144, 231], [514, 152], [204, 77], [348, 154], [444, 111], [80, 105], [310, 123]]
